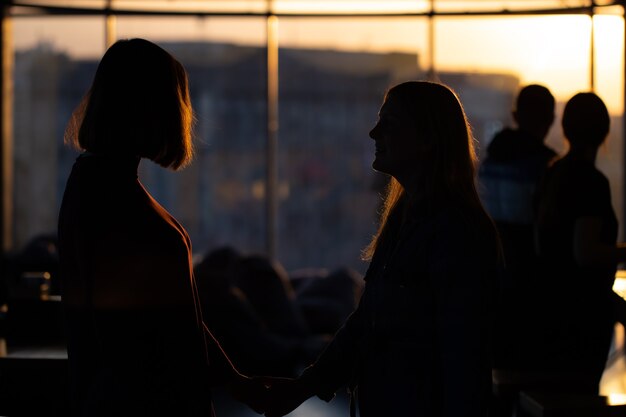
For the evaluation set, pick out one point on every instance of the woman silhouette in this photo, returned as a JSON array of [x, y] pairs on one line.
[[136, 341], [419, 342]]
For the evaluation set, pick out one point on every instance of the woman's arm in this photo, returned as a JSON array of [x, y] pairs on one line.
[[333, 369], [249, 391]]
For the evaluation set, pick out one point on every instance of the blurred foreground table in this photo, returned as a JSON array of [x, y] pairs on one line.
[[33, 359], [33, 380]]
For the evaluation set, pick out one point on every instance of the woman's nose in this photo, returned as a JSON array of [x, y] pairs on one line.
[[374, 132]]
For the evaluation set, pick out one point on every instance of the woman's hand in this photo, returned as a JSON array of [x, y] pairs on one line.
[[285, 395], [253, 392]]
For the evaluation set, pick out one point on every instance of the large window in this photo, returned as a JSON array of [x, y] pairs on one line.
[[217, 198], [52, 72], [332, 83], [332, 75]]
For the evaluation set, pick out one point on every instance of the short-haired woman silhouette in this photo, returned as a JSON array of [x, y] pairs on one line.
[[136, 341]]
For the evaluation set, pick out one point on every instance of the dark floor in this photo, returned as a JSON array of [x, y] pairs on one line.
[[613, 382]]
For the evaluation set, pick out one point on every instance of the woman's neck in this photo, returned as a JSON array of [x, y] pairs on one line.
[[411, 186]]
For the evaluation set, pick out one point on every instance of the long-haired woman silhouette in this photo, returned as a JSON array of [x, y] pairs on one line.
[[419, 342]]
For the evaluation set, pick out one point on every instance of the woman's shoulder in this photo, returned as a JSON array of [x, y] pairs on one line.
[[451, 228], [576, 182], [125, 213], [463, 232], [157, 226], [460, 218], [576, 169]]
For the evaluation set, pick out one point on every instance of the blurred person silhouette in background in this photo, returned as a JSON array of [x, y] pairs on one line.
[[271, 340], [516, 161], [137, 344], [576, 241], [419, 342], [325, 299], [268, 289]]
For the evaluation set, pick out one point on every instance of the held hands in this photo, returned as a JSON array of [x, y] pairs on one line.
[[273, 396], [253, 392], [285, 395]]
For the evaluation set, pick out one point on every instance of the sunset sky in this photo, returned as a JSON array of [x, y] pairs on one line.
[[553, 50]]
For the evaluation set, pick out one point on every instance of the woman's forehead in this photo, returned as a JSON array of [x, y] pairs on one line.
[[392, 107]]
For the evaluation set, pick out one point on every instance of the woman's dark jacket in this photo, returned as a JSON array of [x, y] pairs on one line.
[[419, 342]]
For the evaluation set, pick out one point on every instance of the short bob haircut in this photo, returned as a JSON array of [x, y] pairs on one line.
[[586, 120], [138, 105]]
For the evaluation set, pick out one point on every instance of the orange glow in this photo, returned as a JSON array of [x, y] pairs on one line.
[[616, 399], [322, 6], [552, 50], [619, 285], [371, 6], [609, 35]]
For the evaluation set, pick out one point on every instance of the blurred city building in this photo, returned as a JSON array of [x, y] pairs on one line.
[[328, 193]]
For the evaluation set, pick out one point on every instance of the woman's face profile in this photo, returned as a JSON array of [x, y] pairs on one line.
[[397, 142]]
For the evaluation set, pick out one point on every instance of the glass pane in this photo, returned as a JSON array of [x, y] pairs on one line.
[[216, 6], [351, 6], [52, 73], [332, 82], [551, 50], [67, 3], [217, 198], [609, 83], [507, 5], [322, 6], [195, 30], [225, 58], [486, 70]]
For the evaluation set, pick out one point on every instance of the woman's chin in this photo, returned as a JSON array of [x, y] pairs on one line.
[[379, 166]]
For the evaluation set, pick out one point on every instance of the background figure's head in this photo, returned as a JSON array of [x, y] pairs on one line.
[[585, 121], [267, 287], [138, 105], [214, 273], [534, 110], [424, 141]]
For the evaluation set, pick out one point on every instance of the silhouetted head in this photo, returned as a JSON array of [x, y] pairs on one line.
[[138, 105], [534, 110], [585, 121], [257, 274], [423, 139], [267, 287], [214, 271]]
